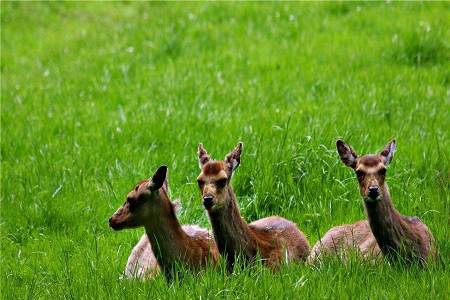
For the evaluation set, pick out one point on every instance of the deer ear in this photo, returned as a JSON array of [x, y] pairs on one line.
[[203, 156], [233, 159], [389, 151], [348, 156], [159, 180]]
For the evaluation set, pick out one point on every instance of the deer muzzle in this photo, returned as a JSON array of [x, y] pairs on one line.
[[208, 201]]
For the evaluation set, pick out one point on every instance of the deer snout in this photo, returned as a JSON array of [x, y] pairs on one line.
[[373, 191], [208, 201], [114, 224], [116, 221]]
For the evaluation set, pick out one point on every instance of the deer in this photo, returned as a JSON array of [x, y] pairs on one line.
[[398, 238], [141, 263], [274, 239], [148, 205], [343, 239]]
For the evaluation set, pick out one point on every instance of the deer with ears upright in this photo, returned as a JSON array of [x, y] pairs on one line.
[[148, 205], [398, 237], [274, 239]]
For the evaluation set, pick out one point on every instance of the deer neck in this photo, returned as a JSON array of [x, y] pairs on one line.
[[166, 236], [387, 224], [231, 232]]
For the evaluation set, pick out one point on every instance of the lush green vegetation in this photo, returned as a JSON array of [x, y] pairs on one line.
[[95, 96]]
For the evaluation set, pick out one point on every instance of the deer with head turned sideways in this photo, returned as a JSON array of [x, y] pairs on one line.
[[274, 239], [148, 205], [398, 237]]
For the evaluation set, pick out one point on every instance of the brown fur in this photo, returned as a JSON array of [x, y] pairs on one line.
[[148, 205], [213, 168], [274, 239], [341, 240], [398, 236]]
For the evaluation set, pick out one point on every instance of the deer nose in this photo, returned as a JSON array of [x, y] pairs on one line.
[[208, 201], [115, 225], [373, 191]]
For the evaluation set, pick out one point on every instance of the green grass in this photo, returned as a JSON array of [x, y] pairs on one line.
[[95, 96]]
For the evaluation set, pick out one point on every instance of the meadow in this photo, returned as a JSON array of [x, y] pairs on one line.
[[95, 96]]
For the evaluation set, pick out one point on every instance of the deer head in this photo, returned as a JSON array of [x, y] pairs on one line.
[[215, 176], [370, 169], [146, 200]]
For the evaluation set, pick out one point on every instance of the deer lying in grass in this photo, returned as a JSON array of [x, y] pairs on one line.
[[148, 205], [398, 237], [274, 239], [342, 239], [142, 263]]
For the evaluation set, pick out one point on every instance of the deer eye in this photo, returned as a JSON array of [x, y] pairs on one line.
[[221, 183], [201, 183], [132, 206], [131, 202], [382, 172], [360, 175]]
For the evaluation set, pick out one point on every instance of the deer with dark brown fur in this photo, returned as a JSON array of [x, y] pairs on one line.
[[397, 236], [274, 239], [148, 205]]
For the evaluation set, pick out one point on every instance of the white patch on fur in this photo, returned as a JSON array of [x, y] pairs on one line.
[[194, 230], [391, 151], [142, 262]]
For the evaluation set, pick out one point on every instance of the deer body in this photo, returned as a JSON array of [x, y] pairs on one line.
[[149, 206], [274, 239], [340, 240], [398, 236], [142, 263], [173, 245]]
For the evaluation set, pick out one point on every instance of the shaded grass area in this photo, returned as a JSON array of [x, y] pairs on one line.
[[96, 95]]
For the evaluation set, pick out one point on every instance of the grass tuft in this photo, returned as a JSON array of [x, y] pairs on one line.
[[424, 46]]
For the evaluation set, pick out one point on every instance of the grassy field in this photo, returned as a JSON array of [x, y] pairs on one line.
[[95, 96]]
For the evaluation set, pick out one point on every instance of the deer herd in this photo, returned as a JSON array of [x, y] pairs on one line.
[[168, 245]]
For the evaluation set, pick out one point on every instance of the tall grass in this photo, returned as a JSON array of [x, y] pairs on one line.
[[95, 96]]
